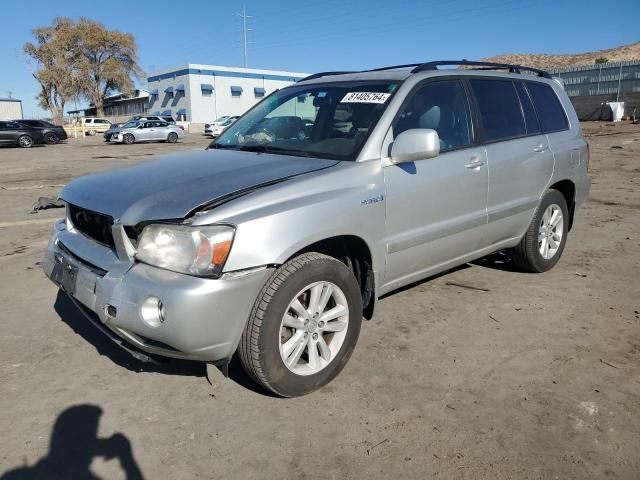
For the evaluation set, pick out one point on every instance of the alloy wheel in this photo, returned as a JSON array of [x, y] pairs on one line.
[[550, 231], [313, 328]]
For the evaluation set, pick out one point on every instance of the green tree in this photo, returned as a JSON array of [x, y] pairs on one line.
[[53, 51], [106, 61], [601, 60]]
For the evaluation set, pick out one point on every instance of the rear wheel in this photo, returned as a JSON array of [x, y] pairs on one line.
[[303, 327], [172, 137], [25, 141], [543, 243], [128, 139], [91, 133], [51, 139]]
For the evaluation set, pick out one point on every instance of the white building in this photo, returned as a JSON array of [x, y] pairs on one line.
[[202, 93], [10, 109]]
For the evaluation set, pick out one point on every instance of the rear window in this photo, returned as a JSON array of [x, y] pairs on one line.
[[500, 109], [550, 111]]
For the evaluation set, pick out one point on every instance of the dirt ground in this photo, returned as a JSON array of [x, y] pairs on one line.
[[528, 376]]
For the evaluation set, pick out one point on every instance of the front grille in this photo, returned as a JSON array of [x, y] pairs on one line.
[[92, 224]]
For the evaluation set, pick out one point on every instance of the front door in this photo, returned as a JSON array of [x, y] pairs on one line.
[[147, 131], [436, 208]]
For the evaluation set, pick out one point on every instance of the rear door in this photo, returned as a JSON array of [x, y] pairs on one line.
[[519, 159], [436, 207]]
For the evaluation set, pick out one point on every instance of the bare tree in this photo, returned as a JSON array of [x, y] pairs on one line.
[[107, 61], [53, 51], [82, 58]]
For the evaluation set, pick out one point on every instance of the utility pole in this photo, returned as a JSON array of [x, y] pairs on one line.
[[245, 43]]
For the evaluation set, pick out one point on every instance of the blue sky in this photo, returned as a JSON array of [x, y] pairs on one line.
[[323, 35]]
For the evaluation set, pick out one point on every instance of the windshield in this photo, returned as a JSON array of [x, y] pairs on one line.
[[132, 124], [221, 119], [323, 120]]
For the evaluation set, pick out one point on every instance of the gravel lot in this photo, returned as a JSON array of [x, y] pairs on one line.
[[527, 376]]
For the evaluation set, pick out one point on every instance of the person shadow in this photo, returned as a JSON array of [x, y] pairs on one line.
[[74, 445]]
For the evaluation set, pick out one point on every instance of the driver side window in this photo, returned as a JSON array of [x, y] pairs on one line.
[[441, 106]]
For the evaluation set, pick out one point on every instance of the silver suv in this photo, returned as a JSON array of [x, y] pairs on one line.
[[278, 240]]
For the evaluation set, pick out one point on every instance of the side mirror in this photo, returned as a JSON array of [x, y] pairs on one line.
[[140, 126], [415, 144]]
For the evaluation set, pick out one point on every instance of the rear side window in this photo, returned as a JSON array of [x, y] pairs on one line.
[[500, 110], [550, 111], [530, 117]]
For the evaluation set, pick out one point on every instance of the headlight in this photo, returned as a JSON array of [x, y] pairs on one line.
[[186, 249]]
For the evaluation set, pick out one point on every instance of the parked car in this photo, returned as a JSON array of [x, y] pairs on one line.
[[118, 127], [148, 131], [216, 129], [52, 133], [208, 127], [95, 125], [18, 135], [276, 243]]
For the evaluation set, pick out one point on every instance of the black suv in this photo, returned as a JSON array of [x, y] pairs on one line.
[[16, 134], [52, 133]]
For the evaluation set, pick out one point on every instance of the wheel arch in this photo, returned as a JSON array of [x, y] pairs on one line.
[[355, 253], [568, 190]]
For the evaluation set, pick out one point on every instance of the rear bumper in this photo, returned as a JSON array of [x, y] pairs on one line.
[[203, 318]]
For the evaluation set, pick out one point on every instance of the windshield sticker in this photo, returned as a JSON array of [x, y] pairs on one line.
[[365, 97]]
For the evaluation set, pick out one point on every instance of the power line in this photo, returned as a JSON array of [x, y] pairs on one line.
[[447, 17]]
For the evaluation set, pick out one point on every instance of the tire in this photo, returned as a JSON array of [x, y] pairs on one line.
[[264, 340], [91, 133], [542, 236], [25, 141], [128, 139], [51, 138], [172, 137]]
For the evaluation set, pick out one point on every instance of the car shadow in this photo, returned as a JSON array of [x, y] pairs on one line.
[[501, 260], [74, 445], [70, 314]]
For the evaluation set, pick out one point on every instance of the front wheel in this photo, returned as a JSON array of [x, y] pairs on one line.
[[172, 137], [303, 327], [543, 243], [25, 141], [128, 139]]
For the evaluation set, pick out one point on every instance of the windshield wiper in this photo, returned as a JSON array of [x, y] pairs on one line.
[[275, 150]]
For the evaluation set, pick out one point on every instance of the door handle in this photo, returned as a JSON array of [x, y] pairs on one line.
[[475, 163], [540, 148]]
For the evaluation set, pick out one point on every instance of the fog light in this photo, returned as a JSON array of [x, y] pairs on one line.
[[152, 311]]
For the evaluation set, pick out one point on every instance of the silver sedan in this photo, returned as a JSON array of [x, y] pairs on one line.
[[149, 131]]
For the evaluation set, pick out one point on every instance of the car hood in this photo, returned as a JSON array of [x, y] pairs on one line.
[[174, 186]]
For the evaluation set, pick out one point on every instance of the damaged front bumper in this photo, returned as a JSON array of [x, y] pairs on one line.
[[154, 310]]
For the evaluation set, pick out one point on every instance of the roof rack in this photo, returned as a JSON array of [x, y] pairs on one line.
[[324, 74], [421, 67], [489, 66]]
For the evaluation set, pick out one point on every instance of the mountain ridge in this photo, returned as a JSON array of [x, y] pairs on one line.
[[546, 61]]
